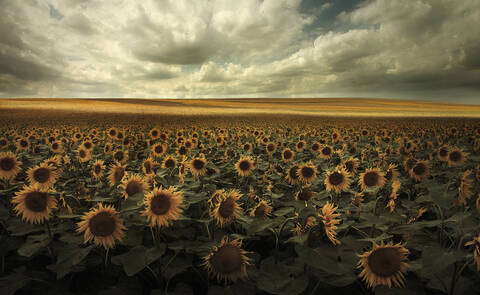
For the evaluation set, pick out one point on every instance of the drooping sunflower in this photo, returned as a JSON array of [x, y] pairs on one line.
[[288, 155], [116, 174], [83, 155], [304, 195], [228, 261], [169, 162], [245, 166], [261, 210], [227, 208], [476, 251], [420, 171], [351, 165], [9, 165], [384, 265], [43, 174], [198, 166], [163, 206], [35, 203], [391, 174], [372, 177], [97, 169], [330, 220], [102, 225], [120, 157], [292, 176], [307, 172], [326, 152], [337, 180], [148, 166], [133, 184], [456, 157]]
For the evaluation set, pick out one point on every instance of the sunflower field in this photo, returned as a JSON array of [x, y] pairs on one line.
[[123, 204]]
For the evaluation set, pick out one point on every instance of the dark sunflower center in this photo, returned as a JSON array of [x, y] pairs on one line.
[[7, 163], [326, 151], [158, 149], [148, 167], [82, 154], [3, 142], [118, 174], [261, 211], [133, 187], [419, 169], [87, 144], [385, 262], [443, 152], [300, 145], [227, 208], [293, 172], [246, 147], [118, 156], [307, 172], [455, 156], [112, 132], [315, 147], [97, 169], [41, 175], [334, 136], [270, 147], [305, 195], [78, 135], [336, 178], [36, 201], [219, 139], [55, 146], [244, 165], [102, 225], [370, 179], [160, 204], [23, 143], [287, 154], [182, 150], [154, 133], [163, 136], [349, 166], [169, 163], [227, 260], [198, 164]]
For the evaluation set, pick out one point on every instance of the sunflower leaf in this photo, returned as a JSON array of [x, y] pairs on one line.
[[138, 258]]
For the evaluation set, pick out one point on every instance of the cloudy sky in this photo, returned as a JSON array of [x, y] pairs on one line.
[[418, 49]]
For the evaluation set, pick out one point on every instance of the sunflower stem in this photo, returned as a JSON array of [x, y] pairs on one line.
[[48, 229], [106, 257], [153, 236]]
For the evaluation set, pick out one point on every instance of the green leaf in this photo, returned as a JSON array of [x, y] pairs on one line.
[[283, 211], [12, 283], [258, 226], [68, 257], [138, 258], [33, 244], [280, 278]]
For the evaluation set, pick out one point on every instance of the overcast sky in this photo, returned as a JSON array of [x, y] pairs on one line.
[[419, 49]]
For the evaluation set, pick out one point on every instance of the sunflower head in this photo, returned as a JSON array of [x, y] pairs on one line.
[[227, 208], [337, 180], [198, 167], [120, 157], [270, 147], [288, 155], [372, 177], [384, 264], [456, 157], [35, 203], [163, 206], [97, 169], [300, 146], [158, 150], [391, 174], [292, 176], [351, 166], [102, 225], [326, 152], [117, 172], [43, 174], [133, 184], [228, 261], [169, 162], [261, 210], [9, 165], [148, 166], [420, 170], [442, 153], [304, 195], [245, 166], [307, 172]]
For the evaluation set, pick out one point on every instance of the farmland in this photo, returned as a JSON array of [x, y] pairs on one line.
[[239, 197]]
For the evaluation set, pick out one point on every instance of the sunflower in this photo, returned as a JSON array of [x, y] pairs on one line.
[[198, 167], [3, 142], [35, 203], [23, 144], [384, 264], [120, 156], [182, 151], [307, 172], [442, 153], [326, 152], [154, 133], [102, 225], [330, 220], [292, 176], [270, 147], [133, 184], [261, 210], [112, 132], [300, 146], [43, 174], [456, 157], [351, 165], [83, 155], [56, 146], [9, 165], [245, 166], [391, 174], [148, 166], [465, 188], [409, 163], [288, 155], [107, 148], [476, 252], [337, 180], [228, 261], [169, 162], [158, 150], [227, 208], [420, 171], [247, 147], [97, 169], [372, 177], [88, 144], [163, 206], [116, 174], [304, 195]]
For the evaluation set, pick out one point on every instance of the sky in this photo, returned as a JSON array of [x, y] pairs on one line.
[[412, 49]]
